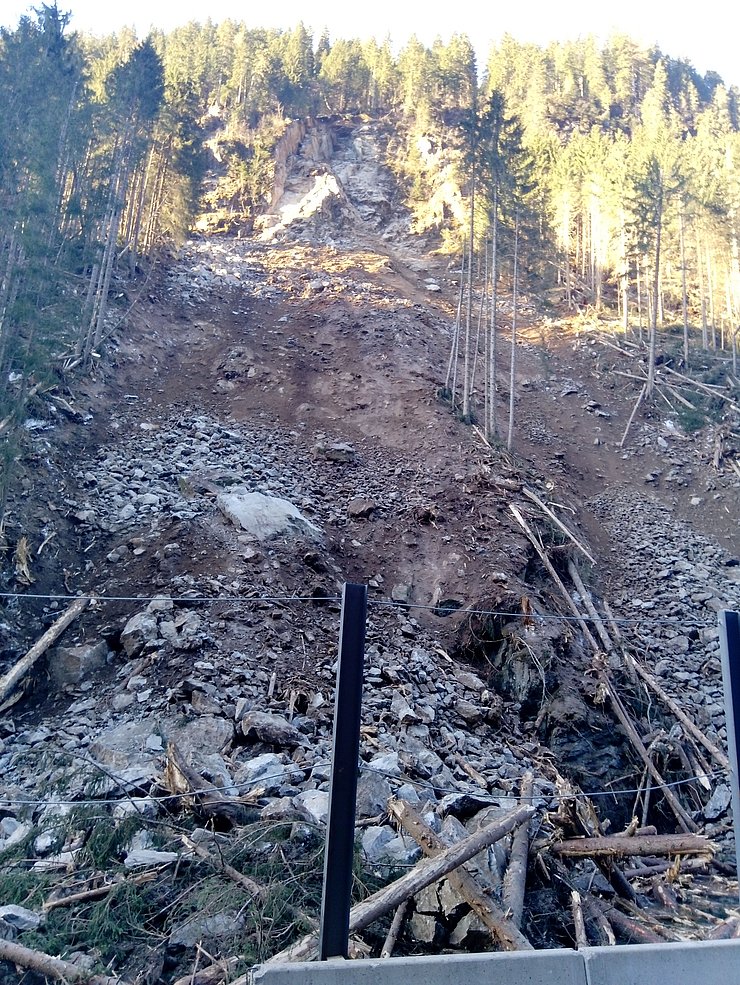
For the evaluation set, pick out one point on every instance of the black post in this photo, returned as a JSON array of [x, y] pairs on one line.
[[340, 832], [729, 638]]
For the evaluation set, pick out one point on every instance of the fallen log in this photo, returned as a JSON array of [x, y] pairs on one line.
[[663, 893], [51, 967], [683, 718], [180, 778], [427, 871], [727, 930], [684, 819], [579, 923], [515, 877], [505, 931], [641, 397], [638, 845], [255, 889], [244, 882], [631, 929], [590, 607], [395, 929], [553, 574], [602, 931], [19, 670], [558, 522], [214, 974], [85, 895], [644, 871], [712, 390]]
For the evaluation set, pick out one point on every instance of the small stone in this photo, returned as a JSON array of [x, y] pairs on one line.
[[401, 593], [203, 704], [373, 793], [402, 710], [138, 631], [148, 856], [12, 832], [718, 802], [122, 701], [260, 726], [20, 918], [312, 805], [269, 772], [339, 451], [470, 713], [361, 508], [199, 928]]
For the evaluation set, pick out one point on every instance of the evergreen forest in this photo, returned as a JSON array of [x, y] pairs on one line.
[[607, 174]]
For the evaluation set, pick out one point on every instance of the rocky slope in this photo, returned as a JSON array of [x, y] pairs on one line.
[[266, 427]]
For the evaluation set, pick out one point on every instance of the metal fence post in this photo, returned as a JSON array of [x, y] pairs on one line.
[[729, 638], [340, 832]]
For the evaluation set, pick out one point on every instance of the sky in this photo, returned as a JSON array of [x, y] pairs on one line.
[[706, 36]]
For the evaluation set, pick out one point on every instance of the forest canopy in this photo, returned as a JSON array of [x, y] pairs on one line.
[[616, 167]]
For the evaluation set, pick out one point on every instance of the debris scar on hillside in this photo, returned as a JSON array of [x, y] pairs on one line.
[[268, 426]]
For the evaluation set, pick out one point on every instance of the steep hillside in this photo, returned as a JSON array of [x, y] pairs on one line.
[[267, 426]]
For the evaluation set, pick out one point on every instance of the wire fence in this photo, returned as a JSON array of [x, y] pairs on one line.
[[384, 603]]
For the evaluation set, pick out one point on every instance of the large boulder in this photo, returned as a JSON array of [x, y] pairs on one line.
[[71, 664], [265, 517]]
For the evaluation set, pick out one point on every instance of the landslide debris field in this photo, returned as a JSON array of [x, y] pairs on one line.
[[265, 425]]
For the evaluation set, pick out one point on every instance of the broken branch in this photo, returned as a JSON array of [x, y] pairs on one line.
[[51, 967], [429, 870], [505, 931], [9, 680], [644, 845]]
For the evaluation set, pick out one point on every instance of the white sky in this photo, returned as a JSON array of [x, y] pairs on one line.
[[707, 36]]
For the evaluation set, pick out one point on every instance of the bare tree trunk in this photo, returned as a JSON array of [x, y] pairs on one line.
[[731, 315], [512, 370], [710, 290], [469, 306], [656, 289], [7, 288], [515, 879], [16, 673], [109, 257], [451, 379], [493, 425], [51, 967], [684, 294], [480, 325], [155, 203], [145, 186], [625, 283], [702, 292], [423, 874]]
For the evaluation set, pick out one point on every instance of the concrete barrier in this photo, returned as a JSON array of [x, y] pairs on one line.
[[691, 963], [516, 968], [685, 963]]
